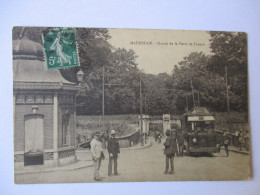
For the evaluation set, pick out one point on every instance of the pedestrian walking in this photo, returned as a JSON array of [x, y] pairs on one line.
[[159, 138], [180, 141], [241, 141], [174, 136], [169, 151], [155, 136], [97, 155], [226, 142], [246, 140], [113, 151], [146, 137]]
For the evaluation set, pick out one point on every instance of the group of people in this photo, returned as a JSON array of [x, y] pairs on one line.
[[157, 137], [241, 137], [98, 154], [174, 144], [114, 151], [178, 136]]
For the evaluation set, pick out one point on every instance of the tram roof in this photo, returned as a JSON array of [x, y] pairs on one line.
[[199, 111]]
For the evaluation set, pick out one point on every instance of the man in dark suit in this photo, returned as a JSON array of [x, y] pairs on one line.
[[169, 151], [181, 144], [226, 138], [113, 151]]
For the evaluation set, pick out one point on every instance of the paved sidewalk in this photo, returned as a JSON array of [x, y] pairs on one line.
[[42, 169], [84, 160], [236, 149]]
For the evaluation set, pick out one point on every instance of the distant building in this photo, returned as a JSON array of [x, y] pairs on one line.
[[44, 110], [164, 122]]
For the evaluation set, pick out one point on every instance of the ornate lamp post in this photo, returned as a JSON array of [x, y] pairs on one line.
[[80, 76]]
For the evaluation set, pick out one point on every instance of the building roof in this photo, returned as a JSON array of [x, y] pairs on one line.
[[199, 111], [29, 69], [25, 46]]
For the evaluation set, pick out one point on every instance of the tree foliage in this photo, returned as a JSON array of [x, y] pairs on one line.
[[120, 74], [191, 75], [198, 79], [206, 75], [230, 49], [155, 93]]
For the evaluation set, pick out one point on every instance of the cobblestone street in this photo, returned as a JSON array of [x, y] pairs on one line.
[[148, 164]]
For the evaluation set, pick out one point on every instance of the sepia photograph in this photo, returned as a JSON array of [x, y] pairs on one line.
[[130, 105]]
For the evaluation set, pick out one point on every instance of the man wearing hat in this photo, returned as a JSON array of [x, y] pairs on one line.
[[226, 141], [180, 141], [169, 151], [113, 151], [96, 150]]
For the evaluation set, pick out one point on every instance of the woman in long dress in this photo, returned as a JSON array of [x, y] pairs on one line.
[[57, 46]]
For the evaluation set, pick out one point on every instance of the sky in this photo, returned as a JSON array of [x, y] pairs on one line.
[[160, 50]]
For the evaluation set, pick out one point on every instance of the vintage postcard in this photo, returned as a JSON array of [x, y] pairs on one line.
[[130, 105]]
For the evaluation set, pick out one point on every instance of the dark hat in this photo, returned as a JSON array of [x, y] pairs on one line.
[[97, 133], [168, 132]]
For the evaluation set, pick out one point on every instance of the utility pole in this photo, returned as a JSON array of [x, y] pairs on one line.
[[145, 111], [103, 92], [187, 105], [228, 107], [192, 93], [141, 112], [103, 89], [198, 98], [103, 99]]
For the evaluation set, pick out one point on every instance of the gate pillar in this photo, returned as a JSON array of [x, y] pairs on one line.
[[145, 123], [166, 123]]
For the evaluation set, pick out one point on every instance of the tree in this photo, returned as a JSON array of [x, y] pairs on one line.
[[195, 85], [94, 53], [230, 49], [156, 94], [120, 70], [121, 77]]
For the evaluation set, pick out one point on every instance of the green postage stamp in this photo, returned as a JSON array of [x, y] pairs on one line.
[[60, 48]]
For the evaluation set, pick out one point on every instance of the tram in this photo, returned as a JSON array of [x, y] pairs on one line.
[[198, 131]]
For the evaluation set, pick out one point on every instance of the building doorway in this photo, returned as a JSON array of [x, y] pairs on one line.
[[33, 150]]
